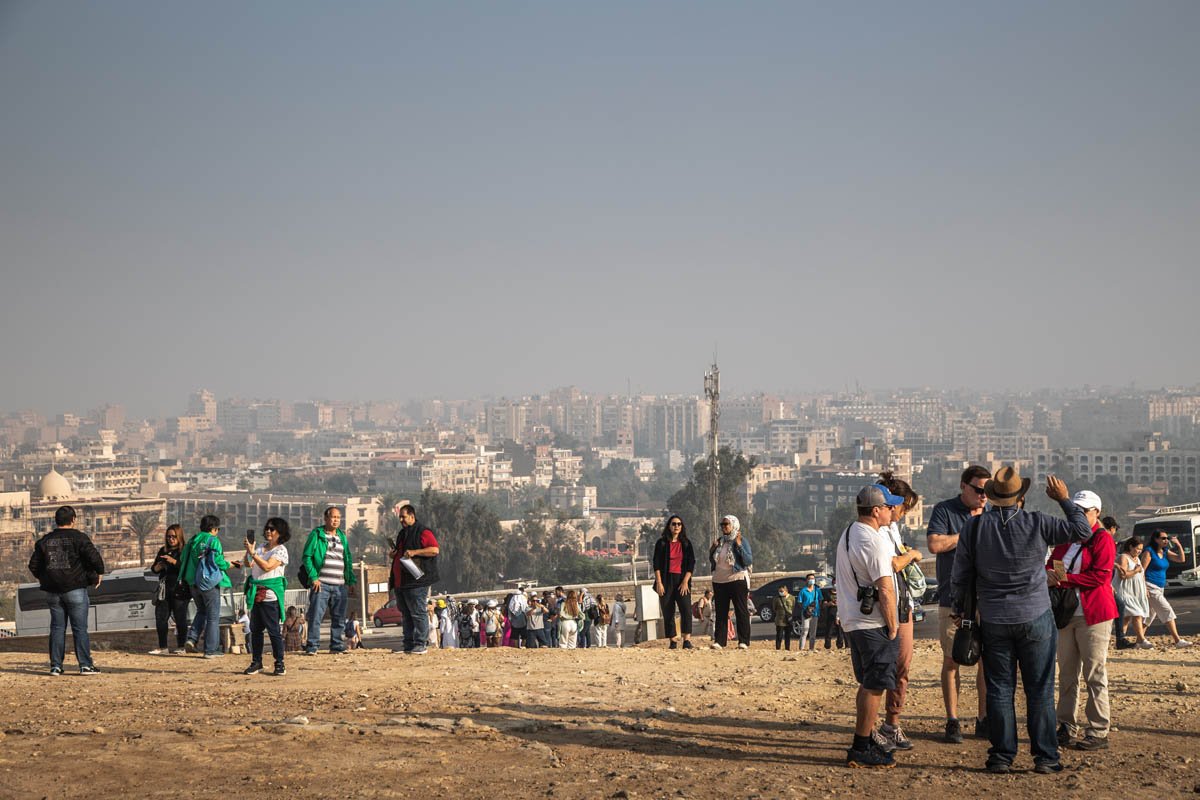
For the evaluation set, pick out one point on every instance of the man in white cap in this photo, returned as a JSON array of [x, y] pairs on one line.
[[1087, 568]]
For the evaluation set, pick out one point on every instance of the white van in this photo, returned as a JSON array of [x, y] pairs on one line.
[[1182, 522]]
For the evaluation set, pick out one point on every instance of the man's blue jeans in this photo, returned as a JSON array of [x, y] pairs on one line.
[[411, 602], [72, 605], [1032, 646], [208, 618], [333, 599]]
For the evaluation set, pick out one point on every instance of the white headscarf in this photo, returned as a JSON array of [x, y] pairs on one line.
[[734, 525]]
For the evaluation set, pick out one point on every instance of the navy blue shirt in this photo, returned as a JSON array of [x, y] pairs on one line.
[[1006, 556], [949, 518]]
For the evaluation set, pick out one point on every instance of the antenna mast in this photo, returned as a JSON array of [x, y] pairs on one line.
[[712, 392]]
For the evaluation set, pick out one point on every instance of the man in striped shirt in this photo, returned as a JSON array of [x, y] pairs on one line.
[[330, 567]]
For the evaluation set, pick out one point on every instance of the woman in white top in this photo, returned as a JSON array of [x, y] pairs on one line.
[[264, 592], [1129, 583]]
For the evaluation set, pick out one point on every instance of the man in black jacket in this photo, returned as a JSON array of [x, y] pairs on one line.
[[416, 549], [66, 563]]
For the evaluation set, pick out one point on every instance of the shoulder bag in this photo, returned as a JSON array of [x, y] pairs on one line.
[[968, 641], [1064, 600]]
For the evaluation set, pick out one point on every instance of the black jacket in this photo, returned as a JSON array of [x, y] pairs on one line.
[[662, 556], [64, 560], [409, 538]]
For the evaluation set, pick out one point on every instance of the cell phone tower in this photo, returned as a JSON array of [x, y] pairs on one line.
[[712, 391]]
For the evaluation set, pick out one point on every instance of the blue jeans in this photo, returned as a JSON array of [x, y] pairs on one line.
[[208, 618], [411, 602], [1032, 646], [72, 605], [332, 598]]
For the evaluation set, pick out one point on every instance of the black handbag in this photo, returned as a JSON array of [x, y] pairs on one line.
[[1064, 601], [968, 640]]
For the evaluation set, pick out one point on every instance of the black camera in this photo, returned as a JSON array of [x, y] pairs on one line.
[[866, 598]]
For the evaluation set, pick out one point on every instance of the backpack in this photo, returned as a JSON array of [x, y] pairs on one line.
[[517, 619], [490, 627], [696, 609], [593, 614], [208, 574]]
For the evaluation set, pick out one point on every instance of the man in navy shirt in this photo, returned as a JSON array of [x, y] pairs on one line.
[[949, 519]]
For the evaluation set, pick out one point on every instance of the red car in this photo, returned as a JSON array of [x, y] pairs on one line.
[[387, 615]]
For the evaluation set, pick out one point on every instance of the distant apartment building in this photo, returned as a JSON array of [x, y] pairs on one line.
[[203, 403], [476, 472], [568, 467], [240, 511], [675, 425], [568, 498], [506, 421], [1152, 462]]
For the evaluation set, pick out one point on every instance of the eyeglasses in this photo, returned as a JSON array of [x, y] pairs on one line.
[[978, 490]]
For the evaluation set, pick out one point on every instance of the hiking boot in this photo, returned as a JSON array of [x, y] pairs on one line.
[[1048, 769], [895, 737], [981, 728], [253, 669], [881, 741], [1090, 742], [88, 671], [674, 645], [687, 644], [953, 732], [1064, 735], [870, 758]]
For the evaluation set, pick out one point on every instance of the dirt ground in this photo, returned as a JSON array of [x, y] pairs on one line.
[[639, 722]]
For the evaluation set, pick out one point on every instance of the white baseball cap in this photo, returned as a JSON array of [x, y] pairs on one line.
[[1086, 499]]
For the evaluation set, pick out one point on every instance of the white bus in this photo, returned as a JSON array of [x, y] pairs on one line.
[[1182, 522]]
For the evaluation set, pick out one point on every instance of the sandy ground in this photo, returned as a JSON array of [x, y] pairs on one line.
[[641, 722]]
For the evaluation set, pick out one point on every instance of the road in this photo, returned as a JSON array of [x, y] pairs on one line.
[[1185, 601]]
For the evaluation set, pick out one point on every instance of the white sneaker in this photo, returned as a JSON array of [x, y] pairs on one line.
[[158, 651], [1183, 643], [743, 647], [176, 651], [717, 646], [1144, 645]]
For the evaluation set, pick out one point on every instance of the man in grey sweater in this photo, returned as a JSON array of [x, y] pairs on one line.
[[1002, 557]]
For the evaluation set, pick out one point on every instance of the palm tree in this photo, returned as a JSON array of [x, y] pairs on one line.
[[360, 539], [143, 524]]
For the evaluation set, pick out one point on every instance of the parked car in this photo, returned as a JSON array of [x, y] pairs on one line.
[[387, 615], [763, 595]]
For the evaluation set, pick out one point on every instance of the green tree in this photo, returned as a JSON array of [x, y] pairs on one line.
[[341, 483], [363, 542], [470, 540], [143, 524], [835, 526], [691, 502]]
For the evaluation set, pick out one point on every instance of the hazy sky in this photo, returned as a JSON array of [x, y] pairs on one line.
[[387, 200]]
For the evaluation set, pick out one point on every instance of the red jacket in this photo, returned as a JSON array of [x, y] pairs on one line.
[[1094, 580]]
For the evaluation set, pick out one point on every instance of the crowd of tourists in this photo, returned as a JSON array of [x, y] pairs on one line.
[[1004, 605]]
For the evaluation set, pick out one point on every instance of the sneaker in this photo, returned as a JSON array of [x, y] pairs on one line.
[[1048, 769], [214, 655], [1144, 645], [189, 646], [895, 737], [253, 669], [674, 645], [999, 768], [158, 651], [953, 732], [401, 652], [687, 644], [1090, 742], [1183, 643], [308, 652], [981, 728], [419, 652], [717, 646], [881, 741], [743, 646], [279, 670], [88, 671], [871, 758], [333, 652], [175, 651], [55, 672], [1064, 735], [1125, 644]]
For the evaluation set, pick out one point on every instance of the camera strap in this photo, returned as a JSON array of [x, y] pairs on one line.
[[849, 562]]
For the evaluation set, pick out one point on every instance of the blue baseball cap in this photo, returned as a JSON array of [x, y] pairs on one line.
[[878, 495]]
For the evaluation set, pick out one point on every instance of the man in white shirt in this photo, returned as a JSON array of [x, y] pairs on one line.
[[617, 625], [868, 612]]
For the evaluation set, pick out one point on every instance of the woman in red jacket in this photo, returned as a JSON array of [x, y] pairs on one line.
[[1083, 643]]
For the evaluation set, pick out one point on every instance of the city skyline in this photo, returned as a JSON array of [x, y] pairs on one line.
[[461, 200]]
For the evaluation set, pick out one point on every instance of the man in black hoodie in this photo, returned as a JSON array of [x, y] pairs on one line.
[[66, 563]]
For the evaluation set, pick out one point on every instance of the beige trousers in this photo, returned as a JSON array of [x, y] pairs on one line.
[[1083, 652]]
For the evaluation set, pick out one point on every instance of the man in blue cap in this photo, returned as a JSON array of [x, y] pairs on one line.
[[867, 608]]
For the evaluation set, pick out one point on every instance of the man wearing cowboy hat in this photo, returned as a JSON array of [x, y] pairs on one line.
[[1003, 553]]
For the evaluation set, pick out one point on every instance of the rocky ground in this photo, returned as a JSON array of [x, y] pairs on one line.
[[640, 722]]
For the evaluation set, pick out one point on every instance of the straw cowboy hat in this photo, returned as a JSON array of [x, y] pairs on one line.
[[1006, 487]]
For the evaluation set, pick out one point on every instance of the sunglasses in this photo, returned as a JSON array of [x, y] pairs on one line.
[[268, 528], [679, 524], [976, 489]]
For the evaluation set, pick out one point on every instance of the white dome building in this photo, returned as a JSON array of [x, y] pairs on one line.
[[54, 488]]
